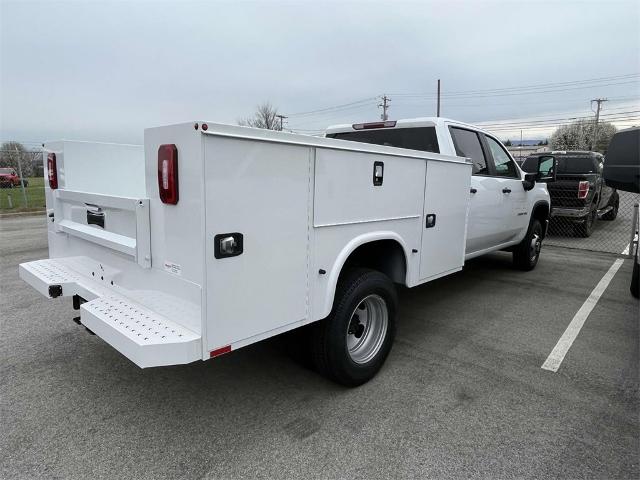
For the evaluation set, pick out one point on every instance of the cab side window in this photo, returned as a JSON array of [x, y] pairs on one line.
[[467, 144], [505, 166]]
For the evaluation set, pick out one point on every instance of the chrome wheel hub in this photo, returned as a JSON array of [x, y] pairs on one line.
[[367, 329], [536, 245]]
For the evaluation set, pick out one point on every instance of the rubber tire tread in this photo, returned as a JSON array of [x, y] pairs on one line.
[[328, 344], [521, 259]]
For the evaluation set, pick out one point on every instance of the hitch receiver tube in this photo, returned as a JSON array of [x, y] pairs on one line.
[[55, 291]]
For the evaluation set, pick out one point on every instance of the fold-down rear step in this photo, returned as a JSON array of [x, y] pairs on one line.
[[145, 337]]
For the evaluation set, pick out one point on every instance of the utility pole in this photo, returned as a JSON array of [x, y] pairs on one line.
[[594, 141], [520, 152], [438, 109], [24, 194], [282, 118], [385, 107]]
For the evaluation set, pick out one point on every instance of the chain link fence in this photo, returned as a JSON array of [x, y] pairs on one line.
[[14, 199], [582, 220]]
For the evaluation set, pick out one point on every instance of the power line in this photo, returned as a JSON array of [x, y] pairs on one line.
[[548, 114], [544, 88], [490, 102], [609, 117], [334, 107], [527, 87], [555, 119], [515, 93], [554, 125]]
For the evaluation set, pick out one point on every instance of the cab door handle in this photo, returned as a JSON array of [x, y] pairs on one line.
[[474, 190], [506, 190]]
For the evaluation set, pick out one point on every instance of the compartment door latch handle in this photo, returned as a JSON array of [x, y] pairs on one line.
[[228, 245]]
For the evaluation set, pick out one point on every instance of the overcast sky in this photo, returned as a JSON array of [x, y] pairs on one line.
[[106, 70]]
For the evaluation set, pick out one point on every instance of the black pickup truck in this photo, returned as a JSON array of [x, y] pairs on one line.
[[579, 194]]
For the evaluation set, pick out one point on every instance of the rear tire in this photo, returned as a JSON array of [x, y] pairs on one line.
[[614, 203], [585, 229], [352, 343], [527, 253]]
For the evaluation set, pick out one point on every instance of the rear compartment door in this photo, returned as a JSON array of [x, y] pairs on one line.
[[100, 199], [260, 190]]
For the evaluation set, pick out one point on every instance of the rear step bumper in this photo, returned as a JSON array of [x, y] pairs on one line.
[[577, 213], [145, 337]]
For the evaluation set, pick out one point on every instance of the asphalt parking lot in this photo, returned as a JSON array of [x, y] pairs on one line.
[[461, 395]]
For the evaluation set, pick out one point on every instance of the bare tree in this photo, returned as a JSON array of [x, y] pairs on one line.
[[11, 151], [266, 116], [579, 136]]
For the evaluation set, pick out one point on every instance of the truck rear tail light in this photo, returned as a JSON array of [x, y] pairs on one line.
[[583, 189], [366, 126], [52, 171], [168, 173]]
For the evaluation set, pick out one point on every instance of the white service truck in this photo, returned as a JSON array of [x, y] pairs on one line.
[[213, 237]]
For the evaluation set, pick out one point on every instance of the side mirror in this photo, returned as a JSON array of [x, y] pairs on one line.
[[547, 167], [529, 181]]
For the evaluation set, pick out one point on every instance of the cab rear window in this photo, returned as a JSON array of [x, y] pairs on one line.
[[566, 164], [421, 138]]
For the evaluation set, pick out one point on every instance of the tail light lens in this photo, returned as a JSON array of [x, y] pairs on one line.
[[583, 189], [168, 173], [52, 171]]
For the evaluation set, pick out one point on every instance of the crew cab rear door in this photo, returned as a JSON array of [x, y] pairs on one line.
[[507, 175], [485, 224]]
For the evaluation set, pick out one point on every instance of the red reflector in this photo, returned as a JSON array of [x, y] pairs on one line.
[[52, 171], [366, 126], [220, 351], [583, 189], [205, 127], [168, 173]]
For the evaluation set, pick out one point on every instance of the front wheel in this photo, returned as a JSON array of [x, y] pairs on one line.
[[351, 345], [527, 253]]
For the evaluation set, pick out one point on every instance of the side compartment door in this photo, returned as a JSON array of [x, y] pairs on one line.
[[446, 205], [515, 214], [261, 191], [485, 214]]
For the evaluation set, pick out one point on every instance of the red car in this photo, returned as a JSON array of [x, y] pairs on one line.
[[9, 178]]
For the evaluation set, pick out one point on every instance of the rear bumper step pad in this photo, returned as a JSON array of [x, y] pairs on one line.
[[145, 337]]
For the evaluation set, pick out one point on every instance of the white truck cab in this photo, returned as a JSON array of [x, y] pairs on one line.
[[502, 200], [211, 237]]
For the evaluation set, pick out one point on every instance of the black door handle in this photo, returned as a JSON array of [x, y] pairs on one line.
[[506, 190], [474, 190]]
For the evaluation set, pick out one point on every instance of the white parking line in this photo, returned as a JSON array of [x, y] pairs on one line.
[[556, 356]]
